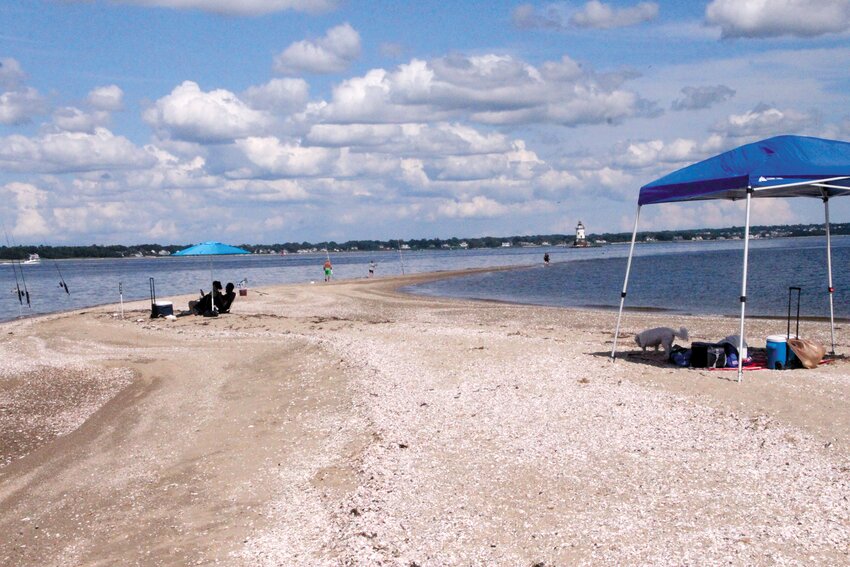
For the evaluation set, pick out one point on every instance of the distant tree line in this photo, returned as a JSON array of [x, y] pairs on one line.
[[148, 250], [22, 252]]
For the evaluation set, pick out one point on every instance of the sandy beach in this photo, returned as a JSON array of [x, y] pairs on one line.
[[350, 424]]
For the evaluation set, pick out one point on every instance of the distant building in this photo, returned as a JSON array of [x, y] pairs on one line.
[[464, 245], [581, 237], [506, 244]]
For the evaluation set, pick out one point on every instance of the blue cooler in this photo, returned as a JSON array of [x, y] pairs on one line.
[[779, 355]]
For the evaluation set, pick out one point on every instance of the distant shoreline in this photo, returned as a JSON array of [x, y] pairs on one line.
[[770, 232]]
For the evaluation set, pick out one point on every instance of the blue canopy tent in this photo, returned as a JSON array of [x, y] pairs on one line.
[[210, 249], [784, 166]]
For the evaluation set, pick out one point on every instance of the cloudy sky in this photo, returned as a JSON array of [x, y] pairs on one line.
[[264, 121]]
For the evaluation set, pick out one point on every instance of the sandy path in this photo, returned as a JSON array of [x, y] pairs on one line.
[[345, 424]]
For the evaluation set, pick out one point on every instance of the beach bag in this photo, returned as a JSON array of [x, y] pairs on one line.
[[809, 353], [707, 355], [680, 356]]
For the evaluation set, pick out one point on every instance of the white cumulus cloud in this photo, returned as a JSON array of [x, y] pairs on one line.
[[28, 199], [490, 89], [526, 16], [421, 139], [594, 14], [657, 153], [64, 152], [476, 207], [73, 119], [19, 106], [775, 18], [109, 98], [765, 121], [11, 73], [599, 15], [268, 191], [286, 159], [18, 102], [332, 53], [189, 113], [278, 95], [697, 98]]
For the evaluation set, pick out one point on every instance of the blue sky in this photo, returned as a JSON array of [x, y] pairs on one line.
[[289, 120]]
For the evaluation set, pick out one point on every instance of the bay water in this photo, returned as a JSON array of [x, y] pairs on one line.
[[687, 277]]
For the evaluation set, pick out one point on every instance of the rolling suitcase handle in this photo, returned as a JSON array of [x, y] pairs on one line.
[[154, 312], [788, 352], [788, 330]]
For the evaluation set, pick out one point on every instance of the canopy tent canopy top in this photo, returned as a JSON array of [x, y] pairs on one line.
[[784, 166]]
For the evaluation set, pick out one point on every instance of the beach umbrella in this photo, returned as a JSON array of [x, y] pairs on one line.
[[211, 249]]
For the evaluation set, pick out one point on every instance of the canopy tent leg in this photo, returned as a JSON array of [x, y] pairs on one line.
[[744, 285], [625, 286], [829, 273]]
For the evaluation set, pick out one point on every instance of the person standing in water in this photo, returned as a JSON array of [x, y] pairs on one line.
[[546, 259], [372, 266], [329, 271]]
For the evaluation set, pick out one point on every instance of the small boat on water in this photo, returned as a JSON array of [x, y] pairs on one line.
[[32, 259]]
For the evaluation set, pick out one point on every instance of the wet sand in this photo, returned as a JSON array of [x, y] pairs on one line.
[[349, 424]]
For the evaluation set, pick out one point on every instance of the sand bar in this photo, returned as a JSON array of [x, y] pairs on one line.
[[348, 424]]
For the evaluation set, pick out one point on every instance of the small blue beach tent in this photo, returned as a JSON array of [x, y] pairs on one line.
[[784, 166]]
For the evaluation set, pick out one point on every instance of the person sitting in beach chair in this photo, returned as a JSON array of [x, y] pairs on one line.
[[223, 302], [205, 304]]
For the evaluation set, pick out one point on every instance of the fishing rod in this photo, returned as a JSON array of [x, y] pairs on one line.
[[26, 290], [62, 283], [18, 290]]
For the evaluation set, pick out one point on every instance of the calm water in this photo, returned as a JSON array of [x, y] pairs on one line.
[[95, 282], [700, 277]]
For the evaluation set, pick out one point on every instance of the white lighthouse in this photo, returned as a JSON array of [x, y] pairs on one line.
[[581, 238]]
